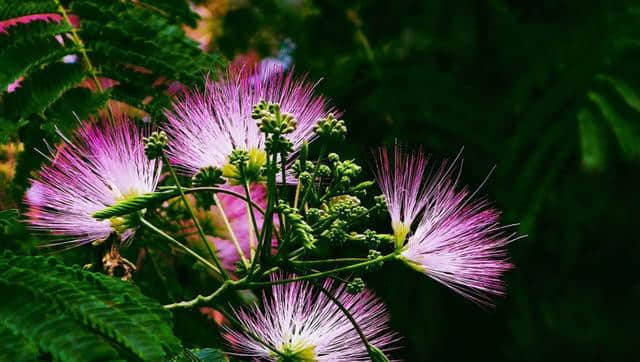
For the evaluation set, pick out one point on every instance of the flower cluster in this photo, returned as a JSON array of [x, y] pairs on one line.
[[251, 206]]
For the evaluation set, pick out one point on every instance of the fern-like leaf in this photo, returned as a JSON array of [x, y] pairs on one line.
[[10, 9], [76, 315]]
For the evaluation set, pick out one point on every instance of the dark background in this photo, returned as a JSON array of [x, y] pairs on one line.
[[547, 91]]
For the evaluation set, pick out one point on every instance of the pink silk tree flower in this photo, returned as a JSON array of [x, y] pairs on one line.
[[297, 322], [457, 241], [205, 126], [102, 164]]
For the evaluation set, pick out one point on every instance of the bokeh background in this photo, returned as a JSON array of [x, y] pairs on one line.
[[548, 92]]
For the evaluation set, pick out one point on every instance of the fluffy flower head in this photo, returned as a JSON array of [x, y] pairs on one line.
[[205, 126], [457, 241], [102, 164], [302, 324]]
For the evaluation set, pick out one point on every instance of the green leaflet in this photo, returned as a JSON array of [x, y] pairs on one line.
[[37, 93], [200, 355], [23, 34], [176, 10], [10, 9], [21, 59], [134, 204], [591, 142], [139, 46], [76, 315], [75, 104], [623, 127]]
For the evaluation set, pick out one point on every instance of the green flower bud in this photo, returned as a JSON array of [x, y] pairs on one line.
[[337, 232], [302, 232], [324, 171], [207, 176], [155, 144], [333, 157], [355, 286], [371, 239], [305, 178], [299, 167], [331, 127], [381, 202], [272, 120], [373, 254], [239, 158], [253, 162], [278, 144], [314, 215]]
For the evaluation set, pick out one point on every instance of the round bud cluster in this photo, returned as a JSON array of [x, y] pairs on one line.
[[315, 215], [239, 158], [371, 239], [271, 120], [207, 176], [305, 178], [155, 144], [324, 171], [337, 233], [373, 255], [331, 128], [299, 167], [355, 286], [278, 144], [346, 207], [381, 202]]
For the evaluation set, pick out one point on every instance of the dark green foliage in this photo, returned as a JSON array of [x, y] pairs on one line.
[[20, 59], [43, 88], [75, 315], [139, 45], [17, 8], [200, 355]]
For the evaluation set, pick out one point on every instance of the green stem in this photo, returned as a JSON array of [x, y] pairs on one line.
[[347, 314], [200, 299], [232, 235], [213, 255], [323, 149], [324, 273], [83, 51], [327, 261], [296, 197], [179, 245], [268, 221], [188, 190], [247, 191]]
